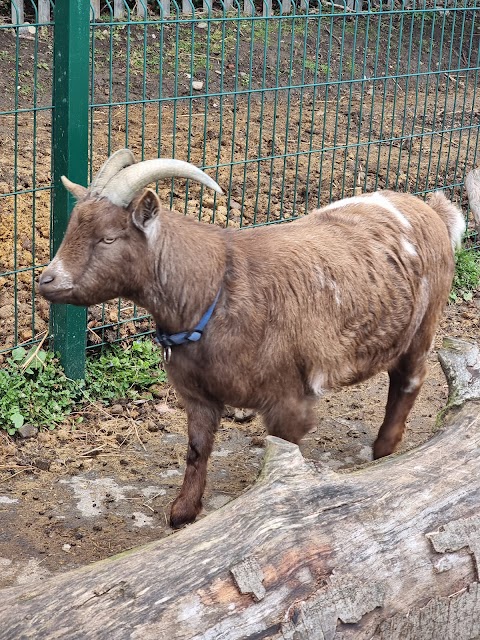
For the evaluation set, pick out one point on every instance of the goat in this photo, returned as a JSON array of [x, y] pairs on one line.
[[289, 311]]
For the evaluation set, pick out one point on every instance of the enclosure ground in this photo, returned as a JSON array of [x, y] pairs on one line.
[[72, 496]]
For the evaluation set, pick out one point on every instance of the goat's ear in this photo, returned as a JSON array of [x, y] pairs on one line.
[[145, 209], [76, 190]]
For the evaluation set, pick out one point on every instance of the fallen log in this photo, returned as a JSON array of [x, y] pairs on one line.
[[388, 551]]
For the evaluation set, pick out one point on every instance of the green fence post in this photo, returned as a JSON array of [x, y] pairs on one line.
[[70, 158]]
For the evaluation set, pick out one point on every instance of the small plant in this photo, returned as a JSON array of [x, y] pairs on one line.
[[467, 275], [309, 64], [123, 372], [245, 79], [34, 389]]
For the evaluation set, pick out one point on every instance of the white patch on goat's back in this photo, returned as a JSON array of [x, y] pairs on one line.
[[408, 247], [381, 201], [378, 199]]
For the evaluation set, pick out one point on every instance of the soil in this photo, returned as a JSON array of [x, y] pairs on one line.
[[76, 495]]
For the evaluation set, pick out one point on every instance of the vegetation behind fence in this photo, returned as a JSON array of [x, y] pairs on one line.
[[287, 111]]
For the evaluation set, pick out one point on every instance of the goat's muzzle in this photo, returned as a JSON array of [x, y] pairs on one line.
[[54, 286]]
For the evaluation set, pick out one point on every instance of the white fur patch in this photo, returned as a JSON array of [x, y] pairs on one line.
[[152, 230], [408, 247], [413, 385], [317, 384], [378, 200], [329, 283], [457, 229], [62, 276]]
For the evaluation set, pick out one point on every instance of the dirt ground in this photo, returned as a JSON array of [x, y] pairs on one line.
[[72, 496]]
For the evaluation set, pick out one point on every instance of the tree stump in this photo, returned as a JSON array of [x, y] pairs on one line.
[[387, 551]]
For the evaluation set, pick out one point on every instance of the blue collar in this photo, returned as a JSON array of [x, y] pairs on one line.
[[168, 340]]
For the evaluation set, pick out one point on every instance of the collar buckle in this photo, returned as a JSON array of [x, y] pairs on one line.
[[167, 341]]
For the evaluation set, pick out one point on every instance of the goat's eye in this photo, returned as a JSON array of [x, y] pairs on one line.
[[109, 240]]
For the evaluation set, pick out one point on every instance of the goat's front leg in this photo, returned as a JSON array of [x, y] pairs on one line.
[[406, 381], [203, 421]]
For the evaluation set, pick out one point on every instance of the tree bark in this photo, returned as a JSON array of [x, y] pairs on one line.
[[387, 551]]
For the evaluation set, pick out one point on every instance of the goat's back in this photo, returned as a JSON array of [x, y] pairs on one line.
[[344, 289]]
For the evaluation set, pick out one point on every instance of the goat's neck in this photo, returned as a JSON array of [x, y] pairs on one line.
[[188, 270]]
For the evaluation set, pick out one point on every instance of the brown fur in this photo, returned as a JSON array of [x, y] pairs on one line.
[[321, 303]]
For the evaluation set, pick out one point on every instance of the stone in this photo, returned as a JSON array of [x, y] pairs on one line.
[[7, 311], [159, 391], [42, 464], [27, 430], [197, 85], [116, 410]]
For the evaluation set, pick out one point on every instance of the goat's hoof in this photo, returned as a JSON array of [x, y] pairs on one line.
[[382, 449], [182, 513]]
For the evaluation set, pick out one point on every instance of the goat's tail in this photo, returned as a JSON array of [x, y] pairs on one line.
[[472, 185], [451, 215]]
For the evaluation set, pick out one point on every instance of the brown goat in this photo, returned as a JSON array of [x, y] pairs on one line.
[[326, 301]]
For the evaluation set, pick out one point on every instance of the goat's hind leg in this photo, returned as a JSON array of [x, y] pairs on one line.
[[203, 421], [406, 380]]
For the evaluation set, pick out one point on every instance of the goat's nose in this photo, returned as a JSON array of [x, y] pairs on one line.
[[46, 278]]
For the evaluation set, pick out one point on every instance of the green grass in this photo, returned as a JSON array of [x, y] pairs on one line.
[[311, 65], [467, 275], [35, 390]]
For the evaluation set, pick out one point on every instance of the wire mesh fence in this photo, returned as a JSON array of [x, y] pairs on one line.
[[287, 111]]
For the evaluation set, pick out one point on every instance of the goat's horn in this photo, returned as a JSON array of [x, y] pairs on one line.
[[115, 163], [123, 187]]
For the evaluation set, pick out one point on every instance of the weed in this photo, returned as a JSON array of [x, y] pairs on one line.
[[199, 63], [245, 79], [25, 91], [122, 372], [34, 388], [467, 275], [349, 67], [310, 64]]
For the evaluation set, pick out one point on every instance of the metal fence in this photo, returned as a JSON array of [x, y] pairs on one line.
[[287, 111]]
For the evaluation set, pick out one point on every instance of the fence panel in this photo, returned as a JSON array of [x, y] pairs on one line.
[[286, 110], [25, 173]]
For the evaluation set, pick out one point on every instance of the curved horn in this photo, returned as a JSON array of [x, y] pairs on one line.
[[115, 163], [122, 188], [76, 190]]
